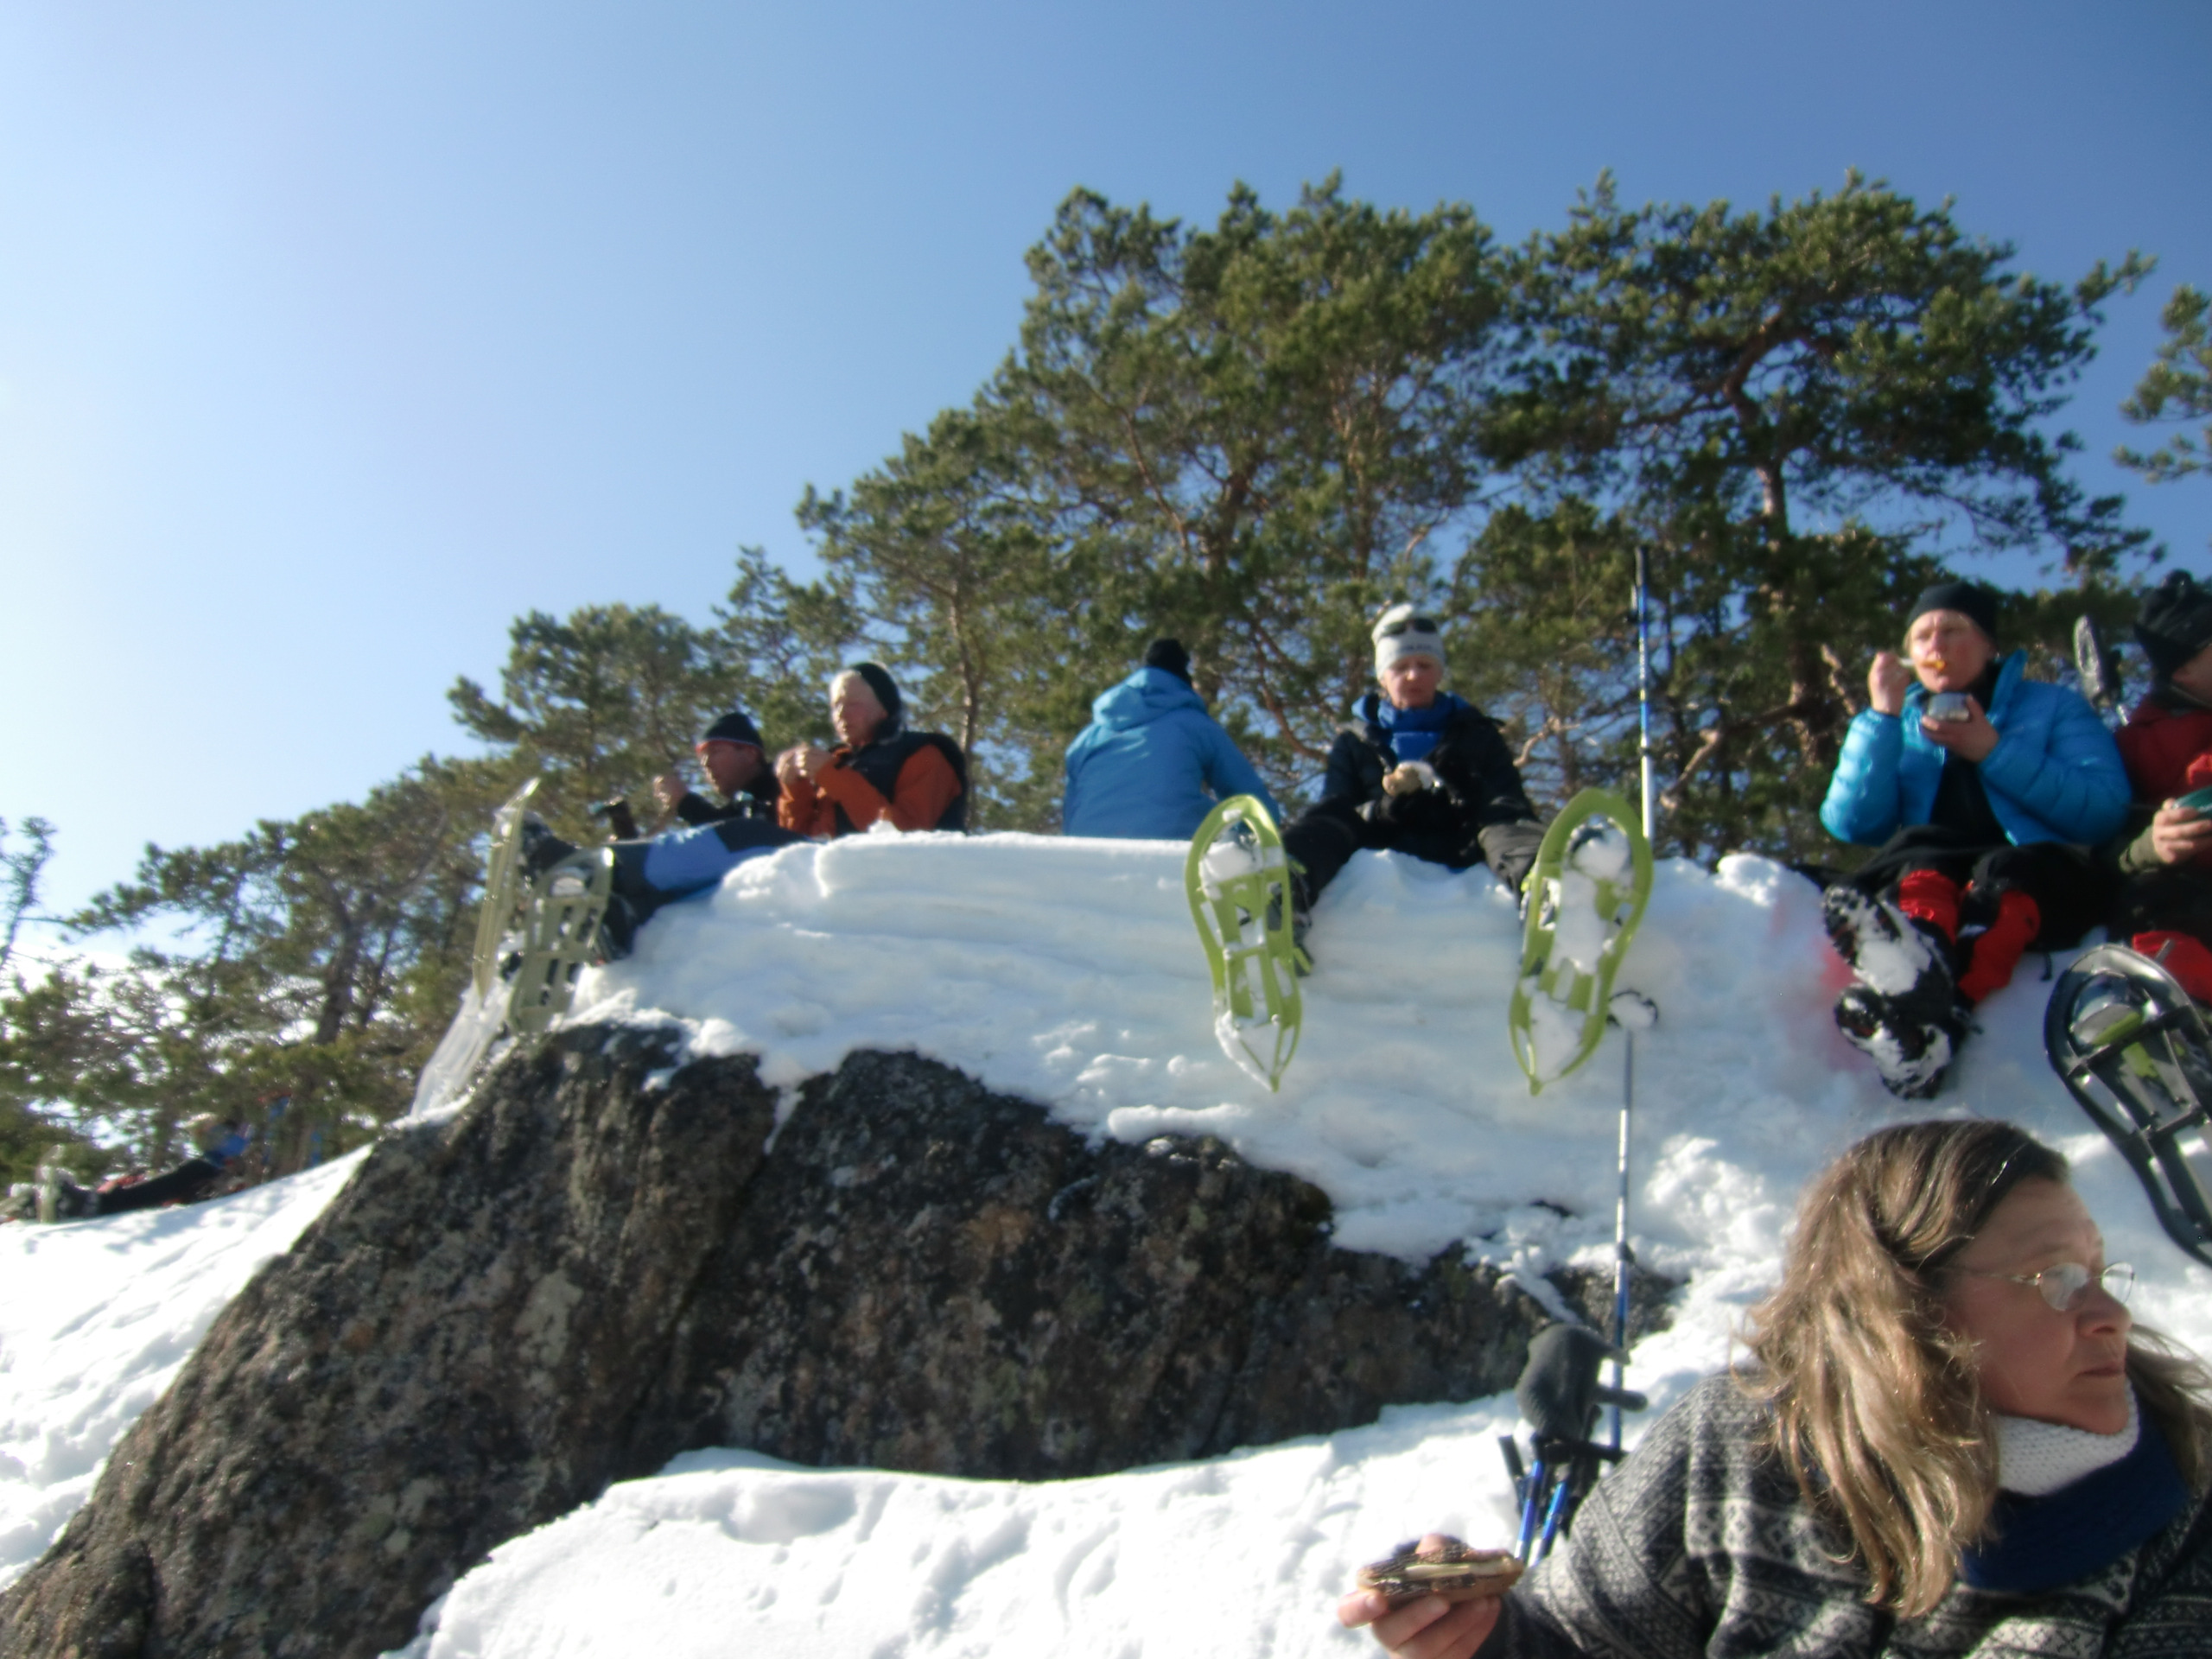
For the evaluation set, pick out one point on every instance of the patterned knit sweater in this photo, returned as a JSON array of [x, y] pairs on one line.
[[1700, 1544]]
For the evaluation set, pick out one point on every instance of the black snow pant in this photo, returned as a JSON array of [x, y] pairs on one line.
[[2177, 899], [2070, 888], [191, 1179], [1320, 841], [1323, 838]]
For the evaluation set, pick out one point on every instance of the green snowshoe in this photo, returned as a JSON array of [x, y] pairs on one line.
[[1586, 894], [2134, 1051], [1238, 880]]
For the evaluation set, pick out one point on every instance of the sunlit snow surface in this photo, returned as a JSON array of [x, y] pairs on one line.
[[96, 1316], [1068, 971]]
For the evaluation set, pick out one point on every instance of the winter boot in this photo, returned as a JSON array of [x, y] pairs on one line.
[[1899, 955], [541, 849], [1912, 1053], [1904, 1015], [2183, 956]]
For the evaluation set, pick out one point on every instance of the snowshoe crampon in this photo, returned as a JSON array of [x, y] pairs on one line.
[[2133, 1049], [1238, 878], [1586, 894]]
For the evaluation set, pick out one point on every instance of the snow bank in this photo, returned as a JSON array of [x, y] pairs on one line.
[[729, 1552], [1068, 971], [96, 1316]]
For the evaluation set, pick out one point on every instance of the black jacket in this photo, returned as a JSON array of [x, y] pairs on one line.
[[756, 800], [1477, 814], [878, 763]]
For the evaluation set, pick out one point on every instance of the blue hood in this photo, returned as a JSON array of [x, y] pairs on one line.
[[1142, 698], [1151, 763]]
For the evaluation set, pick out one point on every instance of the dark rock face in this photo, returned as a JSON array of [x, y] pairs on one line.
[[583, 1275]]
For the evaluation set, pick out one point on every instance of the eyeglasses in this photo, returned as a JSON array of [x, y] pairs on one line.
[[2064, 1285], [1408, 625]]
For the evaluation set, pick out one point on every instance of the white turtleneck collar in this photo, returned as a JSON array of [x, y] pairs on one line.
[[2034, 1457]]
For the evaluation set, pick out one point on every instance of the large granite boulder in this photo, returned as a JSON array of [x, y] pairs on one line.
[[604, 1260]]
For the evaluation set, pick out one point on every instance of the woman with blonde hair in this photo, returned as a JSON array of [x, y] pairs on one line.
[[1947, 1441]]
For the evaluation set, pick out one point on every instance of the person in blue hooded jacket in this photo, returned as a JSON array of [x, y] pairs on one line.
[[1985, 793], [1151, 763]]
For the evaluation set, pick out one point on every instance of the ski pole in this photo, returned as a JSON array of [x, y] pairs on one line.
[[1532, 1507], [1643, 681], [1621, 1257], [1555, 1512]]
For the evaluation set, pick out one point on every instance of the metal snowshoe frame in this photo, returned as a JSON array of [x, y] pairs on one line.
[[502, 886], [2097, 666], [2137, 1063], [1244, 922], [1586, 993], [49, 1185], [560, 937], [532, 940]]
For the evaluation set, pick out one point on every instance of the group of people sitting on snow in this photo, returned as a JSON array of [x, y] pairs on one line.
[[2004, 816], [880, 772]]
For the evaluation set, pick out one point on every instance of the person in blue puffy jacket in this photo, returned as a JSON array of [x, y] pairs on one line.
[[1151, 763], [1985, 793]]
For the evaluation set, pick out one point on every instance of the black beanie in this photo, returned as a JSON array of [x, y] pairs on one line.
[[733, 727], [1969, 599], [2174, 624], [886, 693], [1169, 654]]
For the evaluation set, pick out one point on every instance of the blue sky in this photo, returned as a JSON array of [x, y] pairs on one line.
[[331, 338]]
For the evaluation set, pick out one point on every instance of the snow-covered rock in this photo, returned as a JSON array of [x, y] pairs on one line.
[[1065, 971]]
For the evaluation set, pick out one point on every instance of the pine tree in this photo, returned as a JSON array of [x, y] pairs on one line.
[[1713, 379]]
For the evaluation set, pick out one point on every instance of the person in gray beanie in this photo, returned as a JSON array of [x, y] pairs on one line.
[[736, 763], [1416, 770]]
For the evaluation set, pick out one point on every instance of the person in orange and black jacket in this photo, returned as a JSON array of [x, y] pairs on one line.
[[917, 780]]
